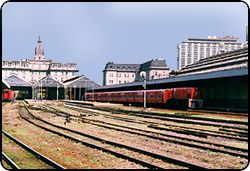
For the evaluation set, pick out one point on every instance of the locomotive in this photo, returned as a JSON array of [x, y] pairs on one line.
[[8, 95], [172, 97]]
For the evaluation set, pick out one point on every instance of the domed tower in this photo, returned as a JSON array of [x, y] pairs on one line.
[[39, 50]]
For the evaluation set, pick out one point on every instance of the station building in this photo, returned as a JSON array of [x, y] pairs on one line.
[[222, 79], [21, 87], [227, 92], [35, 69], [75, 88], [41, 78], [154, 69], [119, 73], [126, 73]]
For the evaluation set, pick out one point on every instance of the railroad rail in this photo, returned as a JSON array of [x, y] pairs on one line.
[[9, 161], [194, 111], [167, 138], [154, 155], [34, 152], [217, 112], [169, 117], [185, 130]]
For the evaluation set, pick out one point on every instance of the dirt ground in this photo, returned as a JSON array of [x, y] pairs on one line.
[[74, 155]]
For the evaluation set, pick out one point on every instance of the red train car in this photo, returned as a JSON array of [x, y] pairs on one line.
[[185, 97], [8, 95]]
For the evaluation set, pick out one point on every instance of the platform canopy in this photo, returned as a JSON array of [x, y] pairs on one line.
[[5, 84], [225, 61], [80, 82], [16, 81], [48, 81]]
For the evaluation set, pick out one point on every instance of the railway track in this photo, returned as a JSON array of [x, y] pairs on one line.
[[39, 156], [187, 112], [112, 145], [179, 140], [217, 112], [9, 161], [187, 119], [238, 135]]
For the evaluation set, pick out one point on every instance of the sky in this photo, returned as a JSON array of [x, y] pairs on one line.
[[91, 34]]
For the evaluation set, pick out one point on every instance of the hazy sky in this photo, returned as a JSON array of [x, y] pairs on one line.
[[92, 34]]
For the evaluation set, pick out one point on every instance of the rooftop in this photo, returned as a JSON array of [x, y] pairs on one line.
[[157, 63], [228, 60], [122, 67]]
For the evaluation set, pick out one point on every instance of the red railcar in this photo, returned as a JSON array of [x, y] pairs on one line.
[[8, 95], [186, 96]]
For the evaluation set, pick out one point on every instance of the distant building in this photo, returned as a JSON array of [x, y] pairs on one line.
[[125, 73], [119, 73], [155, 69], [198, 48], [35, 69], [220, 62]]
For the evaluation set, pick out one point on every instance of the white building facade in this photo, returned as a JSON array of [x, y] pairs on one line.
[[126, 73], [197, 48], [119, 73], [35, 69]]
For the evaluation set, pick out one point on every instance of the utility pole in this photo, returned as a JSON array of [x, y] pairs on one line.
[[145, 93], [93, 92], [80, 93], [57, 91], [143, 74], [74, 92], [41, 90]]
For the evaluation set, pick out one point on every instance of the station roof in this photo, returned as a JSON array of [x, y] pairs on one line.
[[5, 84], [48, 81], [174, 79], [229, 60], [15, 81], [80, 82]]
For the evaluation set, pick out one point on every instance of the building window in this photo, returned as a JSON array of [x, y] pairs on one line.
[[118, 74], [110, 81], [111, 74]]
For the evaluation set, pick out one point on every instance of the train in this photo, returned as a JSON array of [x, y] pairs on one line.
[[8, 95], [188, 97]]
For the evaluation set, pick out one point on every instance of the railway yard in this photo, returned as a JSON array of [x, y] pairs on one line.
[[89, 135]]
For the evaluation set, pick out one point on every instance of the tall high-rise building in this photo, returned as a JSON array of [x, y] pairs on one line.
[[198, 48]]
